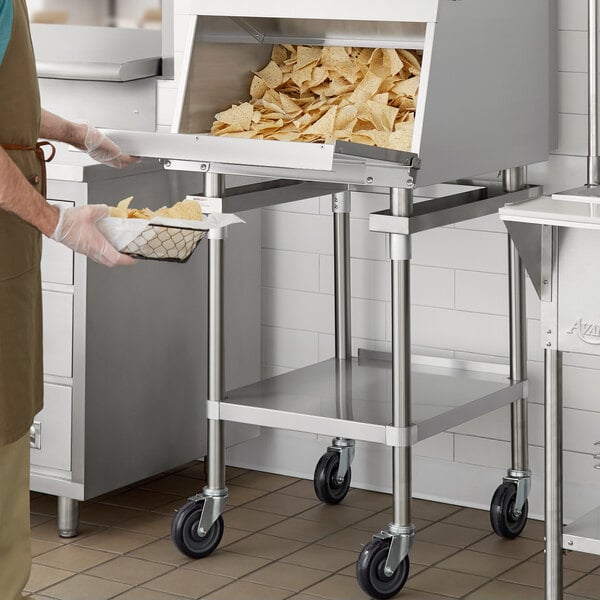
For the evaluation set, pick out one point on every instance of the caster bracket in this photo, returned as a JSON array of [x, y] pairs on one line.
[[214, 505], [521, 479], [345, 448], [402, 539]]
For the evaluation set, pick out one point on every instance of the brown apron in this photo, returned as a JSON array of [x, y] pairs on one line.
[[21, 373]]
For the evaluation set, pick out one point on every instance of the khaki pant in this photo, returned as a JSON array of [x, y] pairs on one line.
[[15, 545]]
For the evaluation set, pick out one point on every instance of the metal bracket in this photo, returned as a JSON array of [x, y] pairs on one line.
[[546, 272], [522, 479], [213, 410], [218, 233], [400, 247], [341, 202], [402, 539], [214, 505], [345, 448], [401, 437]]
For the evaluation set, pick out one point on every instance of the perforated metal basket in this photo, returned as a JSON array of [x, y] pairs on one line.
[[159, 242]]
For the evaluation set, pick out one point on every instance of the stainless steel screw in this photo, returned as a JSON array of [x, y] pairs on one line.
[[548, 343], [204, 167], [167, 163], [545, 282], [369, 180], [548, 331]]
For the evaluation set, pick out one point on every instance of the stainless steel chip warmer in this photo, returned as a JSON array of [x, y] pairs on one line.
[[483, 107]]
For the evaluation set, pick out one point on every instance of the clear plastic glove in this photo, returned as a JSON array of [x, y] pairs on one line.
[[77, 230], [103, 150]]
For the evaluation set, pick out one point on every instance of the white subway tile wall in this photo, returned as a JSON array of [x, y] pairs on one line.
[[459, 293]]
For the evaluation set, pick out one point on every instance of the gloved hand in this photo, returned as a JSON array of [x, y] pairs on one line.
[[77, 230], [104, 150]]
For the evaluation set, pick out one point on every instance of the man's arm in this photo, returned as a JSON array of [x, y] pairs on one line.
[[86, 138]]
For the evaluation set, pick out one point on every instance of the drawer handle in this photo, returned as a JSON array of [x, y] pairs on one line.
[[35, 435]]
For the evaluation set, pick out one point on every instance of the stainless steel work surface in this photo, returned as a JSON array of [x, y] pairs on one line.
[[550, 211], [354, 396], [96, 53]]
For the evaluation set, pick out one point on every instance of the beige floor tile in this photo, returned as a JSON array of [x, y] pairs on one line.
[[49, 532], [347, 539], [116, 540], [520, 548], [577, 561], [195, 470], [228, 564], [341, 515], [432, 511], [42, 577], [282, 504], [265, 546], [373, 501], [149, 524], [405, 594], [248, 591], [38, 519], [305, 488], [232, 535], [141, 499], [534, 530], [448, 583], [126, 569], [84, 587], [320, 557], [470, 517], [287, 576], [170, 508], [531, 573], [263, 481], [162, 551], [250, 520], [588, 587], [105, 514], [74, 558], [146, 594], [174, 484], [302, 529], [233, 472], [39, 547], [337, 587], [187, 583], [477, 563], [501, 590], [239, 495], [425, 553], [44, 505], [452, 535]]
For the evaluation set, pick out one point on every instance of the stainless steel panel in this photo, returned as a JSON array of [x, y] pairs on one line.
[[443, 397], [96, 53], [583, 535], [58, 333], [578, 289], [57, 259]]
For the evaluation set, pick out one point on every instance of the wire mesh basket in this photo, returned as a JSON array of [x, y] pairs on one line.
[[159, 242]]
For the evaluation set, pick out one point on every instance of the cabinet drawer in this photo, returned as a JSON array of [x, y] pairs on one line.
[[51, 433], [57, 260], [58, 333]]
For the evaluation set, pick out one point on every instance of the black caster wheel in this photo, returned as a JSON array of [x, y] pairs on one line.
[[370, 570], [184, 531], [327, 486], [504, 522]]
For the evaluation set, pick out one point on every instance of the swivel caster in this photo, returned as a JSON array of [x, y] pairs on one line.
[[505, 521], [370, 570], [185, 535], [328, 487]]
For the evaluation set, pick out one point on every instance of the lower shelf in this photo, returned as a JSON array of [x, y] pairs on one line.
[[583, 535], [352, 398]]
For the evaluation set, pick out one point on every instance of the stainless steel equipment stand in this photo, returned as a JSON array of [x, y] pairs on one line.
[[68, 517]]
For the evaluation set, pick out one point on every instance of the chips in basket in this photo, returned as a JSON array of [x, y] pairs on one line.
[[188, 210], [321, 94]]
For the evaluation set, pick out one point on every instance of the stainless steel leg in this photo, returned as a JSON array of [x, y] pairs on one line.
[[68, 517], [214, 187], [401, 205], [553, 473], [343, 325]]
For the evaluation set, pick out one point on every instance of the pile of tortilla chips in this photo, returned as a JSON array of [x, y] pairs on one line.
[[187, 209], [321, 94]]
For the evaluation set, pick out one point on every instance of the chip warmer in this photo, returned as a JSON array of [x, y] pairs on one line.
[[483, 106], [559, 241]]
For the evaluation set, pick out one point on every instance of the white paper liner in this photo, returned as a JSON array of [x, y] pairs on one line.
[[161, 238]]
